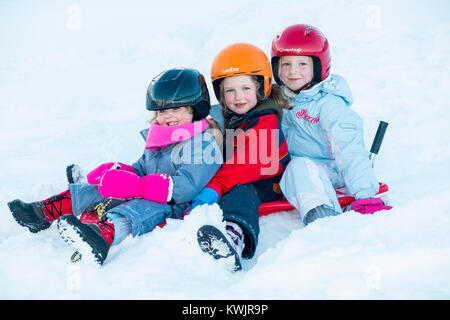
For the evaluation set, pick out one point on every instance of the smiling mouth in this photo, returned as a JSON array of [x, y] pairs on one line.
[[172, 123]]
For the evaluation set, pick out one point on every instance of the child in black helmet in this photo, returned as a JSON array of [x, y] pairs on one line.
[[143, 195]]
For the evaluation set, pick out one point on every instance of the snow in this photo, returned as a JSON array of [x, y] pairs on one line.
[[72, 85]]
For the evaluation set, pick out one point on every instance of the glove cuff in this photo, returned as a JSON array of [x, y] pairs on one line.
[[157, 187]]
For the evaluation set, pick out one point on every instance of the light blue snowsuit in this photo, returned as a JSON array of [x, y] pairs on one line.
[[325, 140], [190, 163]]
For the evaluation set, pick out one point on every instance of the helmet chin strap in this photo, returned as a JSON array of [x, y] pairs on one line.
[[296, 92], [305, 87]]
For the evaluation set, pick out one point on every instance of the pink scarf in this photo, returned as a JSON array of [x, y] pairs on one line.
[[162, 136]]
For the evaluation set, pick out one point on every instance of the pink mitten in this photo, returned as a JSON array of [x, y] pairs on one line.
[[365, 206], [95, 175], [125, 185]]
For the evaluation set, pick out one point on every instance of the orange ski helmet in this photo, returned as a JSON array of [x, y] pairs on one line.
[[242, 59]]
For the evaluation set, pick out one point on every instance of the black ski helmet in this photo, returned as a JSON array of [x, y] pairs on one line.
[[179, 87]]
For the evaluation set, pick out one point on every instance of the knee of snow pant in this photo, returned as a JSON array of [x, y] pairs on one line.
[[307, 186], [241, 205], [144, 215], [84, 197]]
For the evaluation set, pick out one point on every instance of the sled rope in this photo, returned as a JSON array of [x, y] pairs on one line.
[[101, 210]]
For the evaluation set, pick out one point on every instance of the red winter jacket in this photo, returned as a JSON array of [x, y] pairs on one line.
[[254, 149]]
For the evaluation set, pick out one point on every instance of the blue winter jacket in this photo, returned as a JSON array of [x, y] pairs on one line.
[[322, 127], [191, 164]]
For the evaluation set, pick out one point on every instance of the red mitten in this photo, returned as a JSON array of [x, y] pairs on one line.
[[95, 175], [125, 185], [365, 206]]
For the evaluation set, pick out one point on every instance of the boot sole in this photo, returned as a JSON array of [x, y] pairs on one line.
[[33, 222], [212, 241], [83, 239]]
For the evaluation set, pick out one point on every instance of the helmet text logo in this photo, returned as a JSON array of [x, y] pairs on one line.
[[295, 50], [232, 69]]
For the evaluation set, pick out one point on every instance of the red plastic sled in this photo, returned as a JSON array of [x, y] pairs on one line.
[[283, 205]]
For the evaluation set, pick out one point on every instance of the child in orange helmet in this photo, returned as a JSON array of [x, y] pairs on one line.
[[255, 151]]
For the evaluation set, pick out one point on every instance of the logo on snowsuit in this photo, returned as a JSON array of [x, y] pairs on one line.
[[302, 115]]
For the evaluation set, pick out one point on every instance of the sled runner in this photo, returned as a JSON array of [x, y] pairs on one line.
[[343, 198]]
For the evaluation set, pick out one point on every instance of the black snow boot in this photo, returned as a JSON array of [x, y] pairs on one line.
[[91, 240], [30, 215], [39, 215], [217, 244], [74, 174]]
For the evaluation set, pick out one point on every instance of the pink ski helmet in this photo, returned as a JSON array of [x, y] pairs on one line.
[[302, 40]]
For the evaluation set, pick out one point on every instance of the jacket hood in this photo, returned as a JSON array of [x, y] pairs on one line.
[[333, 85]]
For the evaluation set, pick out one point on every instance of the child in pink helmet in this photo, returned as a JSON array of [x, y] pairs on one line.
[[324, 135]]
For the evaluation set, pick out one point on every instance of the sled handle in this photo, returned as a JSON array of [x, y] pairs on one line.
[[379, 136], [376, 144]]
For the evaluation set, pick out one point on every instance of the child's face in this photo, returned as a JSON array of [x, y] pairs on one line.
[[240, 93], [295, 71], [174, 116]]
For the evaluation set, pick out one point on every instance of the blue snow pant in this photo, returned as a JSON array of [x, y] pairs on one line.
[[307, 185], [241, 205], [136, 216]]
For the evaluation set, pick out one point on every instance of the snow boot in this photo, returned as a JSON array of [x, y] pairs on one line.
[[39, 215], [91, 240], [220, 245], [29, 215], [74, 174]]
